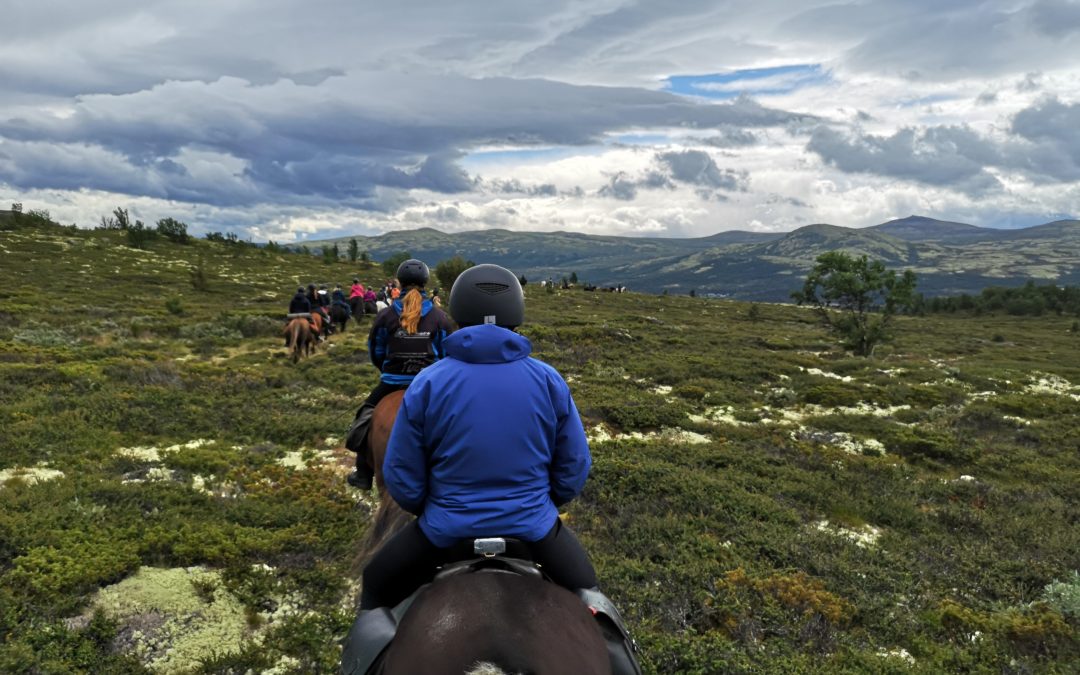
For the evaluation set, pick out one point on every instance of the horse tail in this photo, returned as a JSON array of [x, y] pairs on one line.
[[411, 306], [295, 344]]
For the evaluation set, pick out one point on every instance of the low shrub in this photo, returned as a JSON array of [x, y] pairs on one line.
[[174, 305], [253, 326], [42, 335], [831, 395], [796, 606], [212, 330], [1064, 596], [922, 443]]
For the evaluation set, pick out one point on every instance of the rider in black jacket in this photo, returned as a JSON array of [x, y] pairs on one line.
[[299, 303]]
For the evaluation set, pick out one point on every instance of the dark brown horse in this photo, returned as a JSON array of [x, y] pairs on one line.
[[339, 315], [513, 623], [356, 304], [301, 339], [481, 623]]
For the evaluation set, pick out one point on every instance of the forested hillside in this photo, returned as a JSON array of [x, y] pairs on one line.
[[172, 494], [950, 258]]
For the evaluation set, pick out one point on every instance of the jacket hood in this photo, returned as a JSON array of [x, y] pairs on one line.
[[487, 344]]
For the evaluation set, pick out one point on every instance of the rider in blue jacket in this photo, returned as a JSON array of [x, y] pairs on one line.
[[488, 442]]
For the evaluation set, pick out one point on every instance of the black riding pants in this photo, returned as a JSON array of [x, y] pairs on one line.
[[409, 560]]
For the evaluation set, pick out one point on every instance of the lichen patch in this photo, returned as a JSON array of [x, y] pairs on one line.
[[865, 536], [173, 619], [30, 475]]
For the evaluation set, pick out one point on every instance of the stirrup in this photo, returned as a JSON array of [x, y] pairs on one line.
[[622, 649]]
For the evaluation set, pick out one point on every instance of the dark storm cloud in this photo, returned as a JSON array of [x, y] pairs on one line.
[[1053, 129], [687, 167], [732, 138], [933, 40], [938, 156], [1056, 18], [621, 187], [342, 142], [698, 168], [1044, 147], [516, 187]]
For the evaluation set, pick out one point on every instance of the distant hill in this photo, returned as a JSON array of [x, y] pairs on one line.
[[949, 257], [921, 228]]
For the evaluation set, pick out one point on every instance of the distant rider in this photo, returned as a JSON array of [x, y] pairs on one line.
[[405, 338], [356, 290], [338, 298], [299, 305]]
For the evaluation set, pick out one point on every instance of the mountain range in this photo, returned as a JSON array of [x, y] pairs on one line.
[[948, 257]]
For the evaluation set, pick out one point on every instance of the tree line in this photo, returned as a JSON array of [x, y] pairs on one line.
[[1027, 300]]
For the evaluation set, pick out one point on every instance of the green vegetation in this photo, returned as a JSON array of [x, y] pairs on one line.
[[760, 502], [173, 230], [1030, 299], [390, 265], [448, 271], [856, 298]]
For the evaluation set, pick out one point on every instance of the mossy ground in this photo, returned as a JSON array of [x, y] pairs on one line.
[[935, 557]]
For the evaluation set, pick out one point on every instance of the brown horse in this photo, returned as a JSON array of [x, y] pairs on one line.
[[317, 321], [382, 423], [485, 622], [301, 340]]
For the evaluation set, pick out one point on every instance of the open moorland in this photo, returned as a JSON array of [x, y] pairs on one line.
[[172, 494]]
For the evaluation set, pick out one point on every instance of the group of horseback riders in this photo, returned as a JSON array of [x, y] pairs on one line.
[[318, 304], [487, 441]]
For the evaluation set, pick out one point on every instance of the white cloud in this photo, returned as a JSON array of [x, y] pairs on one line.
[[366, 118]]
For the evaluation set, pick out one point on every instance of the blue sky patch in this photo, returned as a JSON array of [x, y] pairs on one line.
[[753, 82], [480, 158]]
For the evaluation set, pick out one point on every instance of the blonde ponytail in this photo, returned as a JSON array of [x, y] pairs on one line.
[[411, 305]]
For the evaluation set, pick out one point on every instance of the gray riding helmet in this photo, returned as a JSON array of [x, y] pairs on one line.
[[487, 294]]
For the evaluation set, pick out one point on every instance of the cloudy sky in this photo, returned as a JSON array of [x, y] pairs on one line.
[[286, 120]]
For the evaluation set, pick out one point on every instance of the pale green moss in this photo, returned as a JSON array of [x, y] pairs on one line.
[[168, 623], [305, 457], [30, 475], [152, 454]]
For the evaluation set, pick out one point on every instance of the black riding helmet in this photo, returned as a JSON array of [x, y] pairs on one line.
[[487, 294], [413, 272]]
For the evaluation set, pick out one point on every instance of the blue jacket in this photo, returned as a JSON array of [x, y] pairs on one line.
[[487, 441], [399, 356]]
